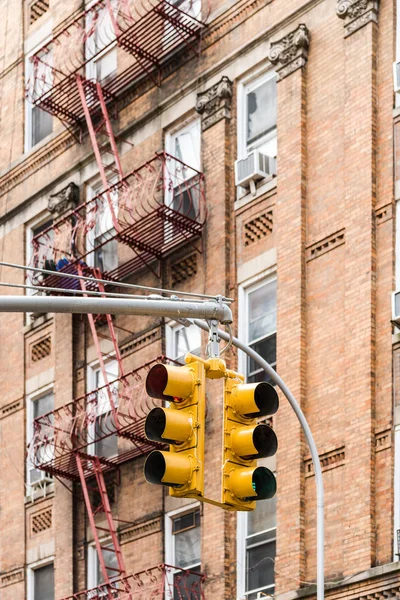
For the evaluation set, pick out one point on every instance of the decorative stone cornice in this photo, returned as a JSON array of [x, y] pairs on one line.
[[215, 103], [290, 52], [65, 199], [357, 13]]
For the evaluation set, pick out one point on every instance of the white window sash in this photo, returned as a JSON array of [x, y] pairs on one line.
[[244, 87], [28, 105], [30, 575], [31, 398]]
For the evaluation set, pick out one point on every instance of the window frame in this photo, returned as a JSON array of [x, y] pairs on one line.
[[169, 539], [28, 129], [30, 399], [90, 50], [241, 550], [171, 328], [30, 577], [245, 289], [92, 370], [245, 86], [92, 190]]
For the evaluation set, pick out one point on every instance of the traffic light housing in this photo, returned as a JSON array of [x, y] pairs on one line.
[[181, 425], [245, 440]]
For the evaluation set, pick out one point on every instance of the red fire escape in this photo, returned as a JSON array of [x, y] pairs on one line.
[[137, 219]]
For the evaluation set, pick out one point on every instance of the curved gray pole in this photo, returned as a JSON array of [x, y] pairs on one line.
[[309, 437]]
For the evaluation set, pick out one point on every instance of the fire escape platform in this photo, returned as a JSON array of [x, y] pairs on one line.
[[149, 34], [79, 426], [155, 583], [158, 207]]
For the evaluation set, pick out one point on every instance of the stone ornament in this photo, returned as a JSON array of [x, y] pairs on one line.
[[290, 52], [357, 13], [64, 200], [215, 103]]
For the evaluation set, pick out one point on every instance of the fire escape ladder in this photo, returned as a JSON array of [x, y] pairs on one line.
[[96, 340], [96, 98], [110, 532]]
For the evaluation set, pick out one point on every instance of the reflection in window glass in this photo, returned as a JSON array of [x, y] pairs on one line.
[[186, 339], [43, 583], [261, 110], [261, 328]]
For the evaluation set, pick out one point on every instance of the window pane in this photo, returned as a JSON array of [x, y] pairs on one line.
[[42, 124], [108, 446], [262, 311], [110, 559], [187, 149], [44, 583], [43, 405], [265, 348], [106, 257], [187, 587], [261, 110], [186, 339], [187, 548], [260, 566], [262, 518]]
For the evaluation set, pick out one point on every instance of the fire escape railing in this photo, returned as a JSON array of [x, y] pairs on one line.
[[157, 207], [79, 426], [146, 34], [162, 582]]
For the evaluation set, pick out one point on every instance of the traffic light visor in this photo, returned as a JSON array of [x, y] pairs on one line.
[[167, 382], [254, 442], [252, 484], [166, 468], [255, 399], [168, 425]]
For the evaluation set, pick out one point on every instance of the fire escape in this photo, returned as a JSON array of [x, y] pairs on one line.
[[133, 223]]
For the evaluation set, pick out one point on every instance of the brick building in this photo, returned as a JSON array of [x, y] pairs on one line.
[[121, 123]]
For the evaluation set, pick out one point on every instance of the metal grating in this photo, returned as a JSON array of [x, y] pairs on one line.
[[157, 583], [147, 35], [157, 207], [77, 427]]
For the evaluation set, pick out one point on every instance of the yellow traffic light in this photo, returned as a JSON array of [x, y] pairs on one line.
[[244, 441], [181, 425]]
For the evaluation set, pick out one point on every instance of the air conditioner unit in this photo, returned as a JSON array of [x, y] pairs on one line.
[[254, 167], [396, 308], [396, 76]]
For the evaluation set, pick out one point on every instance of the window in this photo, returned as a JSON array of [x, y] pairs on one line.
[[258, 327], [101, 44], [41, 582], [39, 75], [256, 550], [257, 114], [181, 340], [103, 424], [38, 406], [95, 574], [190, 7], [101, 233], [182, 539], [185, 146]]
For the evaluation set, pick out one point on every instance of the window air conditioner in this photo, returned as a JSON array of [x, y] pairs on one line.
[[396, 308], [254, 167], [396, 76]]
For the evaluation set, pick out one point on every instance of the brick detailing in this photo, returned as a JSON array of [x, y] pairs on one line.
[[290, 52], [37, 9], [14, 576], [141, 530], [357, 13], [384, 213], [329, 460], [383, 440], [41, 349], [258, 228], [11, 408], [183, 269], [41, 521], [141, 341], [329, 243]]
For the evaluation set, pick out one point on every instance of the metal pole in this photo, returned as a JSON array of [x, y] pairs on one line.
[[311, 444], [153, 307]]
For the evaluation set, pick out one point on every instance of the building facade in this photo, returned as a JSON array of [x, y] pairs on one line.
[[248, 149]]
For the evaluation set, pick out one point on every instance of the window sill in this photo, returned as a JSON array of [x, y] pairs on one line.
[[263, 187]]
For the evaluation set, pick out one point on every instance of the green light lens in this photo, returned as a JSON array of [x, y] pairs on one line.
[[264, 483]]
